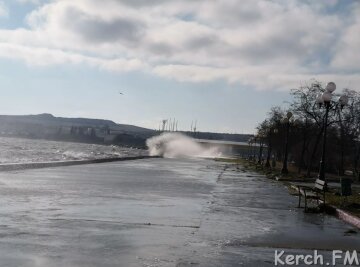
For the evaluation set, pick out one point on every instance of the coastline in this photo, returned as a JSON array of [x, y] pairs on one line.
[[39, 165]]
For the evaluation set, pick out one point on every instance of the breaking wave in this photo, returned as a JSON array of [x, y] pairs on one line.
[[176, 145], [20, 150]]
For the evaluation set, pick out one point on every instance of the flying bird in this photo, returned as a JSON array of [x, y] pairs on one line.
[[121, 93]]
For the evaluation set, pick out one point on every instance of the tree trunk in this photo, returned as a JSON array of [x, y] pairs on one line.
[[269, 150], [260, 153], [356, 161], [302, 161]]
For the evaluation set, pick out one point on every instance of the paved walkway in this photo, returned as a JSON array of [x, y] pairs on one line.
[[156, 212], [252, 216]]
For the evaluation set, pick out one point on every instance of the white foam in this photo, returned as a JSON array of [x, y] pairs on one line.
[[175, 145]]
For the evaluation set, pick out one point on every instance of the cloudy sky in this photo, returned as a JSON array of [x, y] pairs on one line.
[[221, 62]]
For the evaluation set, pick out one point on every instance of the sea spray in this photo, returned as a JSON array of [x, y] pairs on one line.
[[19, 150], [176, 145]]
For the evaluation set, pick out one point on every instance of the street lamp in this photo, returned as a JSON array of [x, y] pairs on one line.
[[325, 99], [272, 131], [250, 148], [261, 143], [286, 121], [254, 148], [357, 146]]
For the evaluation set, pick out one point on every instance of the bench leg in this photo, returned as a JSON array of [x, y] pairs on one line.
[[305, 204], [299, 205]]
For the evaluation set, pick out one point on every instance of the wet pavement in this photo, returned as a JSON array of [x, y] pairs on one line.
[[156, 212]]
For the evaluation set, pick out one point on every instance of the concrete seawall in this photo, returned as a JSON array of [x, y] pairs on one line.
[[38, 165]]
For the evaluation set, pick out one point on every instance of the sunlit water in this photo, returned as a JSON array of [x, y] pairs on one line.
[[18, 150]]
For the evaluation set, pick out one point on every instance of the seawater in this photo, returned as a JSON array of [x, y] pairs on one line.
[[20, 150]]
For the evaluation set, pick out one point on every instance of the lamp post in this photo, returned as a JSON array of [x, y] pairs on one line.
[[286, 121], [357, 153], [325, 99], [261, 140], [273, 158], [254, 148], [302, 124], [269, 149], [250, 148]]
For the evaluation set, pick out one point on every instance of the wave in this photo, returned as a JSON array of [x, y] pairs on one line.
[[176, 145]]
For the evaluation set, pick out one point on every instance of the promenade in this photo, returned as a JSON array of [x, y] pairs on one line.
[[156, 212]]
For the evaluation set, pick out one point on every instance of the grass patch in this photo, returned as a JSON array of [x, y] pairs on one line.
[[250, 165], [350, 203]]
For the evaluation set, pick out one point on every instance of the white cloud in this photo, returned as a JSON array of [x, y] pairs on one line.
[[47, 57], [266, 44], [34, 2], [347, 57], [4, 11]]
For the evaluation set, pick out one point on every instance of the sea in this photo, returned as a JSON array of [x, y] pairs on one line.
[[20, 150]]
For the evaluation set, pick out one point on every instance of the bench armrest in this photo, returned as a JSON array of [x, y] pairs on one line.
[[305, 187]]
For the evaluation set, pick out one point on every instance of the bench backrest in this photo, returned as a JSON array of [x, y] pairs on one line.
[[320, 185]]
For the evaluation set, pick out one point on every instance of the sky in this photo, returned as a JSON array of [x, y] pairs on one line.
[[224, 63]]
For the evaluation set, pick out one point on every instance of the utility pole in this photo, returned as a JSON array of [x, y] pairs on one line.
[[164, 125]]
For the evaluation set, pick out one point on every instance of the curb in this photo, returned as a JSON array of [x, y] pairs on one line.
[[345, 216], [340, 214], [39, 165]]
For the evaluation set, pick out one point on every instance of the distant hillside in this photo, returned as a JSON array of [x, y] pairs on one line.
[[50, 120], [220, 136], [46, 126]]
